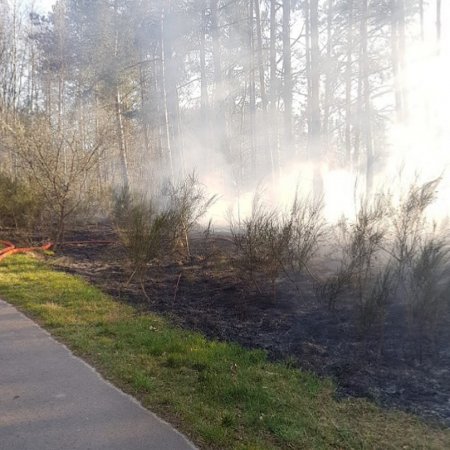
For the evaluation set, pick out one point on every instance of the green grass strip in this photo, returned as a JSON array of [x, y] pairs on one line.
[[219, 394]]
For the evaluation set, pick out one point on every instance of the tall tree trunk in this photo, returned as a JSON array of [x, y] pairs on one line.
[[14, 69], [171, 89], [120, 130], [422, 20], [81, 118], [206, 138], [273, 91], [330, 77], [398, 49], [123, 158], [48, 95], [203, 81], [251, 85], [13, 88], [308, 67], [262, 84], [264, 135], [402, 55], [32, 79], [143, 88], [438, 23], [315, 132], [267, 149], [59, 13], [216, 44], [396, 59], [159, 102], [167, 133], [287, 73], [348, 86], [367, 115], [220, 126]]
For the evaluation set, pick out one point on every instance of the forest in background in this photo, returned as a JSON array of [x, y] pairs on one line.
[[102, 93]]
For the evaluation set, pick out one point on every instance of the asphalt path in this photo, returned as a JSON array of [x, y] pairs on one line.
[[52, 400]]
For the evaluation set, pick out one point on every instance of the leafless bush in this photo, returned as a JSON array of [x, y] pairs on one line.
[[262, 242], [307, 229], [363, 272], [374, 304], [122, 202], [142, 229], [392, 253], [270, 243], [59, 166], [206, 245], [150, 228], [187, 202], [409, 222], [422, 259], [332, 288], [426, 278]]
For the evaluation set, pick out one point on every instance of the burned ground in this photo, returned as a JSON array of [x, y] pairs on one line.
[[206, 294]]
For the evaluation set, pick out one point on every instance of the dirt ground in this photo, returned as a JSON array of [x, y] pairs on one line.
[[206, 294]]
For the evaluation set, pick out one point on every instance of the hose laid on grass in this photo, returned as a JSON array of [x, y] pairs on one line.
[[10, 249]]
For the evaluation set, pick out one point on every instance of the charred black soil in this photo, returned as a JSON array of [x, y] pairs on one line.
[[206, 294]]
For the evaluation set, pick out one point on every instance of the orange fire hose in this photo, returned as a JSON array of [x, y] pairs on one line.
[[11, 249]]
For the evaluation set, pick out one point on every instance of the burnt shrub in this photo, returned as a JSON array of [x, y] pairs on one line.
[[365, 272], [426, 283], [421, 252], [392, 254]]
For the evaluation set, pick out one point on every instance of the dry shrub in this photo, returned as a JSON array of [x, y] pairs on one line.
[[392, 253], [423, 267], [427, 282], [409, 222], [270, 244], [151, 229], [262, 242], [363, 272], [59, 166], [374, 303], [186, 203], [20, 206], [143, 230], [307, 230]]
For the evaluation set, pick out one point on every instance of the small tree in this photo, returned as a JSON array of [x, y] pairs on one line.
[[57, 165]]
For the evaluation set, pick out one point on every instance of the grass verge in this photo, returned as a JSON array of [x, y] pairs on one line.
[[219, 394]]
